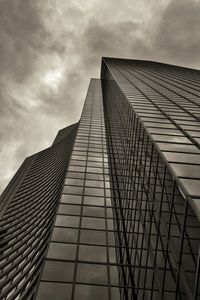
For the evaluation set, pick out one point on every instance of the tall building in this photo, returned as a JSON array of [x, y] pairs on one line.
[[111, 210]]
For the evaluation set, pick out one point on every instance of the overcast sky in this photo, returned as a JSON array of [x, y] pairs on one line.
[[49, 49]]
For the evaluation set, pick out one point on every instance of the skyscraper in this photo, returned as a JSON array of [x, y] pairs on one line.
[[111, 210]]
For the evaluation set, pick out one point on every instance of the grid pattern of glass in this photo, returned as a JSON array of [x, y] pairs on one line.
[[30, 202], [81, 261], [152, 121]]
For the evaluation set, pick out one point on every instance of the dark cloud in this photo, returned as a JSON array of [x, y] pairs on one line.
[[50, 49], [32, 109], [177, 35], [119, 39], [21, 32]]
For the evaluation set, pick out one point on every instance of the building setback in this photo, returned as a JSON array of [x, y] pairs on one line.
[[111, 210]]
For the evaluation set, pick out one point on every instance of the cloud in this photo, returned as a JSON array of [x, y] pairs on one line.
[[177, 35], [50, 49], [31, 110], [120, 29], [120, 39], [21, 33]]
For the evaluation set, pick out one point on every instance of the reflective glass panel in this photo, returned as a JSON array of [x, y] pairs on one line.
[[91, 273], [52, 291], [64, 235], [61, 251], [58, 271]]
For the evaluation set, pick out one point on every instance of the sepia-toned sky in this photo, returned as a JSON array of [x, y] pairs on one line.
[[49, 49]]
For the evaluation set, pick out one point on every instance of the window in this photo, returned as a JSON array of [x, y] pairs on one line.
[[94, 183], [76, 168], [94, 170], [93, 237], [94, 192], [80, 163], [67, 221], [114, 275], [69, 209], [94, 201], [112, 255], [71, 181], [111, 238], [115, 294], [178, 147], [95, 176], [70, 189], [74, 199], [94, 211], [92, 253], [58, 271], [192, 186], [86, 292], [109, 213], [75, 175], [52, 291], [61, 251], [182, 157], [95, 164], [110, 224], [170, 138], [91, 273], [64, 235], [93, 223], [186, 170]]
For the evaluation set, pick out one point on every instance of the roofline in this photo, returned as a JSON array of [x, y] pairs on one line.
[[146, 60]]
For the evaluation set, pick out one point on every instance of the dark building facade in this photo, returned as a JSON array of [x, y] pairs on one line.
[[111, 210]]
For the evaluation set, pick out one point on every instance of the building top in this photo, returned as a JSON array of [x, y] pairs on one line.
[[166, 100]]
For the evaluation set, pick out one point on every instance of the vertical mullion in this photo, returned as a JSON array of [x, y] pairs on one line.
[[181, 248], [158, 231], [155, 173], [168, 236]]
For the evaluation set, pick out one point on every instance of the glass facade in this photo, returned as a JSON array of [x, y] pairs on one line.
[[28, 209], [111, 210], [82, 248], [154, 162]]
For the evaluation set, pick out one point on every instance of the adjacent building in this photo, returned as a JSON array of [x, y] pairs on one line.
[[111, 210]]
